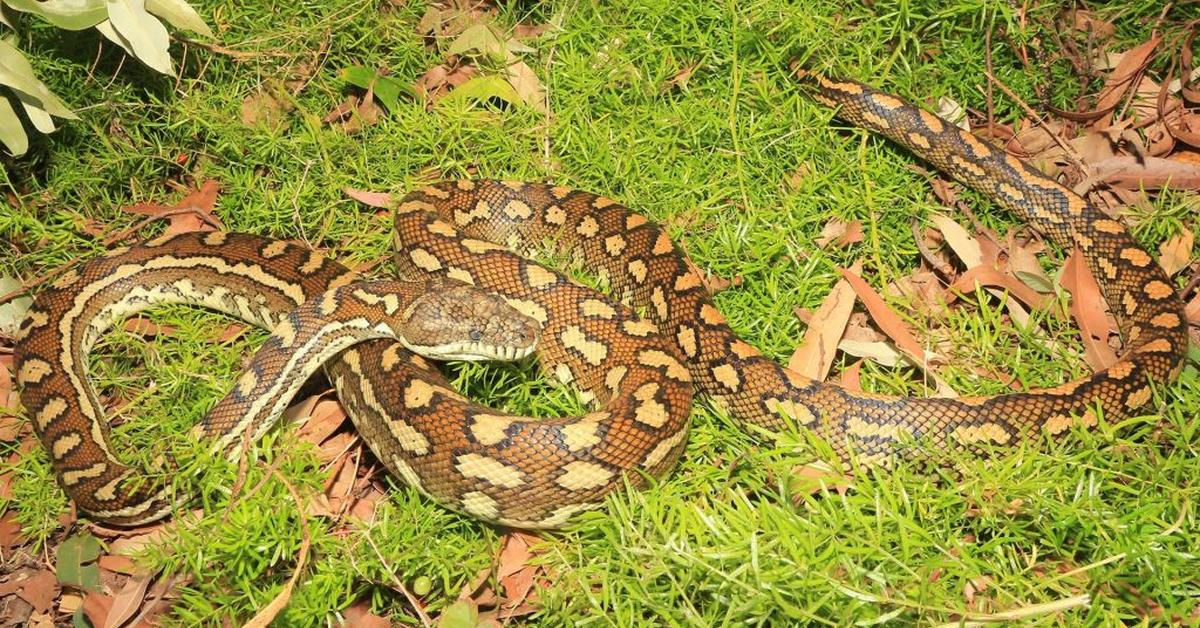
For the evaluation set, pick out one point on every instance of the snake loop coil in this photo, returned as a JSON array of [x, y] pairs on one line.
[[640, 373]]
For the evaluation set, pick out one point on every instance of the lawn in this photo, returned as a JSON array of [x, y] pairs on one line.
[[686, 112]]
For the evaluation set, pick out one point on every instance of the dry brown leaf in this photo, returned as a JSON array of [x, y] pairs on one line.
[[97, 606], [852, 377], [230, 333], [324, 419], [796, 178], [513, 571], [364, 507], [1154, 173], [527, 85], [10, 531], [1130, 67], [714, 283], [1192, 311], [1093, 147], [145, 327], [966, 246], [339, 484], [1187, 157], [382, 200], [355, 113], [334, 446], [840, 233], [127, 601], [1089, 310], [531, 31], [898, 331], [814, 357], [1023, 263], [11, 428], [359, 615], [814, 478], [974, 587], [40, 590], [886, 319], [679, 79], [440, 80], [922, 289], [1088, 23], [192, 213], [1035, 140], [266, 108], [118, 564], [986, 276], [1176, 253]]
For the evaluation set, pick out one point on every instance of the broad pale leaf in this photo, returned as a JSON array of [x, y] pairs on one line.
[[38, 116], [73, 15], [106, 29], [16, 73], [386, 89], [814, 357], [13, 312], [479, 37], [76, 564], [145, 35], [12, 134], [526, 84], [485, 87], [179, 14]]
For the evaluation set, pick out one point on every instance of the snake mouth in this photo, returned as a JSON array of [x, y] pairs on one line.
[[473, 352]]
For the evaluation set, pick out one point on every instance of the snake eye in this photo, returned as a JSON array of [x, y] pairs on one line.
[[475, 334]]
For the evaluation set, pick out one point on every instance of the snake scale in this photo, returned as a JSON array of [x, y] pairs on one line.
[[640, 372]]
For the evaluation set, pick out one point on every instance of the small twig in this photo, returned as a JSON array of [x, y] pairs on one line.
[[238, 55], [942, 268], [125, 233], [1075, 157], [116, 72], [987, 59], [265, 616], [1025, 612], [296, 205], [426, 620]]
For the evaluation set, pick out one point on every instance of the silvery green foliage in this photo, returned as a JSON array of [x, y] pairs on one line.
[[134, 25]]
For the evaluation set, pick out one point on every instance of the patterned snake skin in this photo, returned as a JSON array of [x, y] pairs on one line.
[[640, 373]]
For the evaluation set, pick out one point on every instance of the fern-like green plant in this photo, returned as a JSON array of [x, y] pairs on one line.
[[134, 25]]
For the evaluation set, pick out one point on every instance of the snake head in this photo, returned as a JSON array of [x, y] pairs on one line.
[[456, 321]]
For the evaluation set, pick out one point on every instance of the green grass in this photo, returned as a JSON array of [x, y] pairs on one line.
[[726, 538]]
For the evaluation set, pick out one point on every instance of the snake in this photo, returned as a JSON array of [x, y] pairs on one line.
[[637, 355]]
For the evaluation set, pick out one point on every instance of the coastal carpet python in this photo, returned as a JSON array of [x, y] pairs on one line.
[[640, 372]]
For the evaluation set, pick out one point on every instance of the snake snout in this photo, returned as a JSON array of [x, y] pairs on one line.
[[462, 322]]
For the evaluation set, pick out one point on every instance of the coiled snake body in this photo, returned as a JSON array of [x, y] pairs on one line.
[[640, 372]]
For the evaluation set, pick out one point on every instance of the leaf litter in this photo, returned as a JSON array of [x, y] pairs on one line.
[[1119, 147]]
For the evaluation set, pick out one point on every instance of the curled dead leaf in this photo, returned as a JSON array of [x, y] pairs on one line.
[[1176, 253], [814, 357], [381, 200], [194, 212], [840, 233], [816, 477], [1089, 309]]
